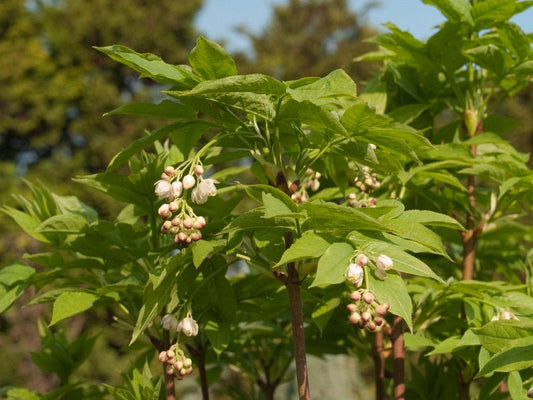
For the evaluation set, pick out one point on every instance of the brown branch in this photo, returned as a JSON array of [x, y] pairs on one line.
[[379, 366], [398, 353], [198, 353], [170, 388]]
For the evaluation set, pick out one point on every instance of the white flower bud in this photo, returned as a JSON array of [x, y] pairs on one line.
[[187, 362], [174, 206], [355, 295], [355, 274], [199, 222], [163, 356], [188, 326], [169, 322], [384, 262], [315, 185], [368, 297], [366, 316], [362, 260], [188, 223], [177, 188], [351, 307], [163, 189], [164, 211], [188, 181], [170, 354], [355, 318]]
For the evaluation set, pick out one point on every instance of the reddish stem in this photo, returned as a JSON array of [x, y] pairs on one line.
[[398, 353], [379, 366]]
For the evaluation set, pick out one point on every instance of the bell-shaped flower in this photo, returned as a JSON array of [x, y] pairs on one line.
[[204, 189], [355, 274], [188, 326], [163, 189]]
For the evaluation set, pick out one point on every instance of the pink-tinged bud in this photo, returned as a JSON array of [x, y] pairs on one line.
[[379, 321], [199, 222], [368, 297], [188, 223], [198, 169], [173, 206], [165, 177], [530, 393], [371, 326], [178, 365], [355, 318], [362, 260], [170, 370], [187, 363], [169, 171], [355, 274], [176, 221], [166, 226], [163, 356], [318, 175], [382, 309], [177, 188], [164, 211], [377, 185], [162, 189], [366, 316], [183, 371], [351, 307], [179, 377], [195, 236], [188, 181], [355, 295], [189, 370], [170, 354], [309, 171], [372, 200], [384, 262], [182, 236]]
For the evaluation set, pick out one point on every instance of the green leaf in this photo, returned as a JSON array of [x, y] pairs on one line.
[[165, 109], [200, 251], [221, 294], [322, 314], [16, 273], [28, 223], [327, 216], [64, 223], [310, 245], [454, 343], [325, 90], [257, 192], [515, 40], [393, 290], [218, 334], [277, 208], [403, 261], [68, 304], [486, 13], [430, 218], [417, 342], [418, 233], [210, 61], [513, 359], [157, 293], [151, 66], [454, 10], [489, 57], [332, 264], [22, 394], [498, 335], [8, 297], [514, 385]]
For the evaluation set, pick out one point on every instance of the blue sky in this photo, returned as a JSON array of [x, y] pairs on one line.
[[218, 18]]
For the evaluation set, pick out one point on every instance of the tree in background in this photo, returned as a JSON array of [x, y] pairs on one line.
[[311, 37]]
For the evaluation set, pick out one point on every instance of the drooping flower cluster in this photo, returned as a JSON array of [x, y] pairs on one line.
[[310, 181], [367, 181], [179, 218], [361, 203], [177, 363], [366, 311]]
